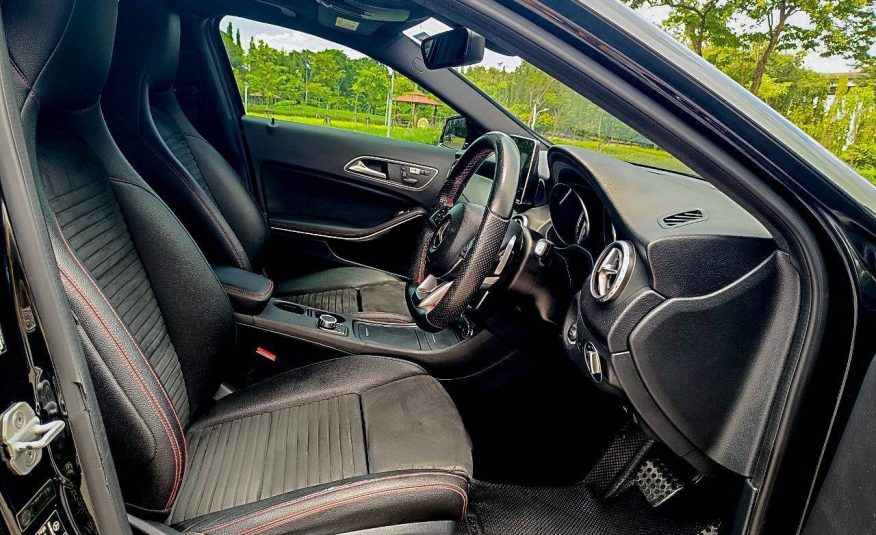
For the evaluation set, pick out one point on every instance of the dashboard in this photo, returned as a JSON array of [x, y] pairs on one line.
[[685, 310]]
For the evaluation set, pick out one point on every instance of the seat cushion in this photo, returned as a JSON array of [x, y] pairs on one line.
[[354, 291], [371, 440]]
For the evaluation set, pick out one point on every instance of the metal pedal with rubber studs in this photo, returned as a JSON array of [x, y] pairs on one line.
[[657, 481]]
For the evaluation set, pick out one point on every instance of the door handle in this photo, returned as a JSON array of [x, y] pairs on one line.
[[362, 169]]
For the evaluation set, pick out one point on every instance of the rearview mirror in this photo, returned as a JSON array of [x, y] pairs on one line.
[[453, 48]]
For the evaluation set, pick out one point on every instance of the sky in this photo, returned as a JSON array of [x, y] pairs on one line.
[[285, 39]]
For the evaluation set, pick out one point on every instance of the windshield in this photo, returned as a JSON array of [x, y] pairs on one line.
[[553, 110]]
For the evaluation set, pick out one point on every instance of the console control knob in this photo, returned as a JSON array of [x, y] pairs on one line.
[[327, 322]]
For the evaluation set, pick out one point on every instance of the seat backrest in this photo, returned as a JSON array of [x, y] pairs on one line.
[[153, 318], [155, 135]]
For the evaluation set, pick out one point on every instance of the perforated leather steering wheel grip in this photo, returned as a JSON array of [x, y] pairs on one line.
[[484, 250]]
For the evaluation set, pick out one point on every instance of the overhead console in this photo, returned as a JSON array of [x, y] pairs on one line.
[[688, 311]]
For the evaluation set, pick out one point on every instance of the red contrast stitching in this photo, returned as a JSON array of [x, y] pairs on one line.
[[165, 423], [237, 251], [334, 489], [183, 455], [354, 499], [465, 174]]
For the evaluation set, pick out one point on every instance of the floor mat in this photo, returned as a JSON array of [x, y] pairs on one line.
[[499, 509]]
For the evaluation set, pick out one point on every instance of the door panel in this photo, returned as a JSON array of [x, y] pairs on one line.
[[361, 196]]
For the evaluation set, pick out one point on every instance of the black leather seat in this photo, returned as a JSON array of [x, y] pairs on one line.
[[337, 446], [195, 180]]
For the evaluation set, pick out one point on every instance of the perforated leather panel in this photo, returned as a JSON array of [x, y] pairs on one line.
[[266, 455], [91, 221]]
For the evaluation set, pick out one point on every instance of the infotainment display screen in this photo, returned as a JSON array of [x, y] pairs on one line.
[[526, 146]]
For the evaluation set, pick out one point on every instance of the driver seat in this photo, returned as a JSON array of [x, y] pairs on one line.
[[199, 185], [343, 445]]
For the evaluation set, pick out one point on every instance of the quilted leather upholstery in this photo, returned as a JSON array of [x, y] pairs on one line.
[[92, 223], [338, 446], [355, 291], [269, 454], [192, 177], [340, 421], [343, 300]]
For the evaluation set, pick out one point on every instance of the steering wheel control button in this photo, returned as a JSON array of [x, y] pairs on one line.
[[593, 361], [612, 271], [572, 335], [327, 322], [437, 217], [542, 248]]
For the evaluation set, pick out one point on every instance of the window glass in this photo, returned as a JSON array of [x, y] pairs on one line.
[[293, 76], [553, 110]]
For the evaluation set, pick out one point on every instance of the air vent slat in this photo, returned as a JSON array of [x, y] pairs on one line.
[[682, 218]]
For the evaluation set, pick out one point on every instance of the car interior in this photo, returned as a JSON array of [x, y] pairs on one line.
[[295, 328]]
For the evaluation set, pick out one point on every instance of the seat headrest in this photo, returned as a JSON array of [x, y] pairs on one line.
[[147, 47], [60, 49]]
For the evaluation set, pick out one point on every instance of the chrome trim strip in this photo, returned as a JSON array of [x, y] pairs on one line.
[[608, 280], [399, 185], [366, 237]]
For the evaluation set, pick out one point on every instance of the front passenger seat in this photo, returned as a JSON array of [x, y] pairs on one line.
[[349, 444], [198, 184]]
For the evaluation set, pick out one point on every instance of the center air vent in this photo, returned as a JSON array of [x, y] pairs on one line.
[[682, 218], [612, 271]]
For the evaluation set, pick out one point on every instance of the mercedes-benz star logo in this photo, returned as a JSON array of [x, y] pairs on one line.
[[440, 234]]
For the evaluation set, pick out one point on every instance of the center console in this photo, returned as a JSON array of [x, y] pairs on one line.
[[289, 335], [349, 334]]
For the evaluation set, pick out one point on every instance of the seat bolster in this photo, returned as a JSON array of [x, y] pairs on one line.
[[144, 147], [202, 326], [353, 504], [127, 387], [240, 210], [412, 423], [321, 380]]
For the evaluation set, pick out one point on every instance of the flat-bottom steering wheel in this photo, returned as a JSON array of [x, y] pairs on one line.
[[460, 243]]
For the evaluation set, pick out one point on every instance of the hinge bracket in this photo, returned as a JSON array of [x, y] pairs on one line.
[[24, 438]]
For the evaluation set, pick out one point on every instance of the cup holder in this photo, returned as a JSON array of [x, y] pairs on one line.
[[291, 307], [295, 308]]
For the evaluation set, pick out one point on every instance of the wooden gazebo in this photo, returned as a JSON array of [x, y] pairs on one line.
[[415, 99]]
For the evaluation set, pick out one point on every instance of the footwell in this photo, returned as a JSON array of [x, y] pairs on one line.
[[612, 499], [498, 509]]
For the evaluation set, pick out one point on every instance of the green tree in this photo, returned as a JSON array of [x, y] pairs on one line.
[[845, 28], [266, 75], [371, 85], [697, 22], [236, 55]]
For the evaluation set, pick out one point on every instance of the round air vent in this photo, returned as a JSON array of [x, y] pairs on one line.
[[612, 271]]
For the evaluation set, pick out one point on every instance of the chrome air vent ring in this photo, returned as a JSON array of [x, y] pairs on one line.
[[612, 270]]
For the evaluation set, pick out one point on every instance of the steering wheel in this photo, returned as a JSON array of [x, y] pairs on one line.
[[460, 243]]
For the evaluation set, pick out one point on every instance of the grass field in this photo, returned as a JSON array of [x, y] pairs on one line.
[[429, 136], [630, 153]]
